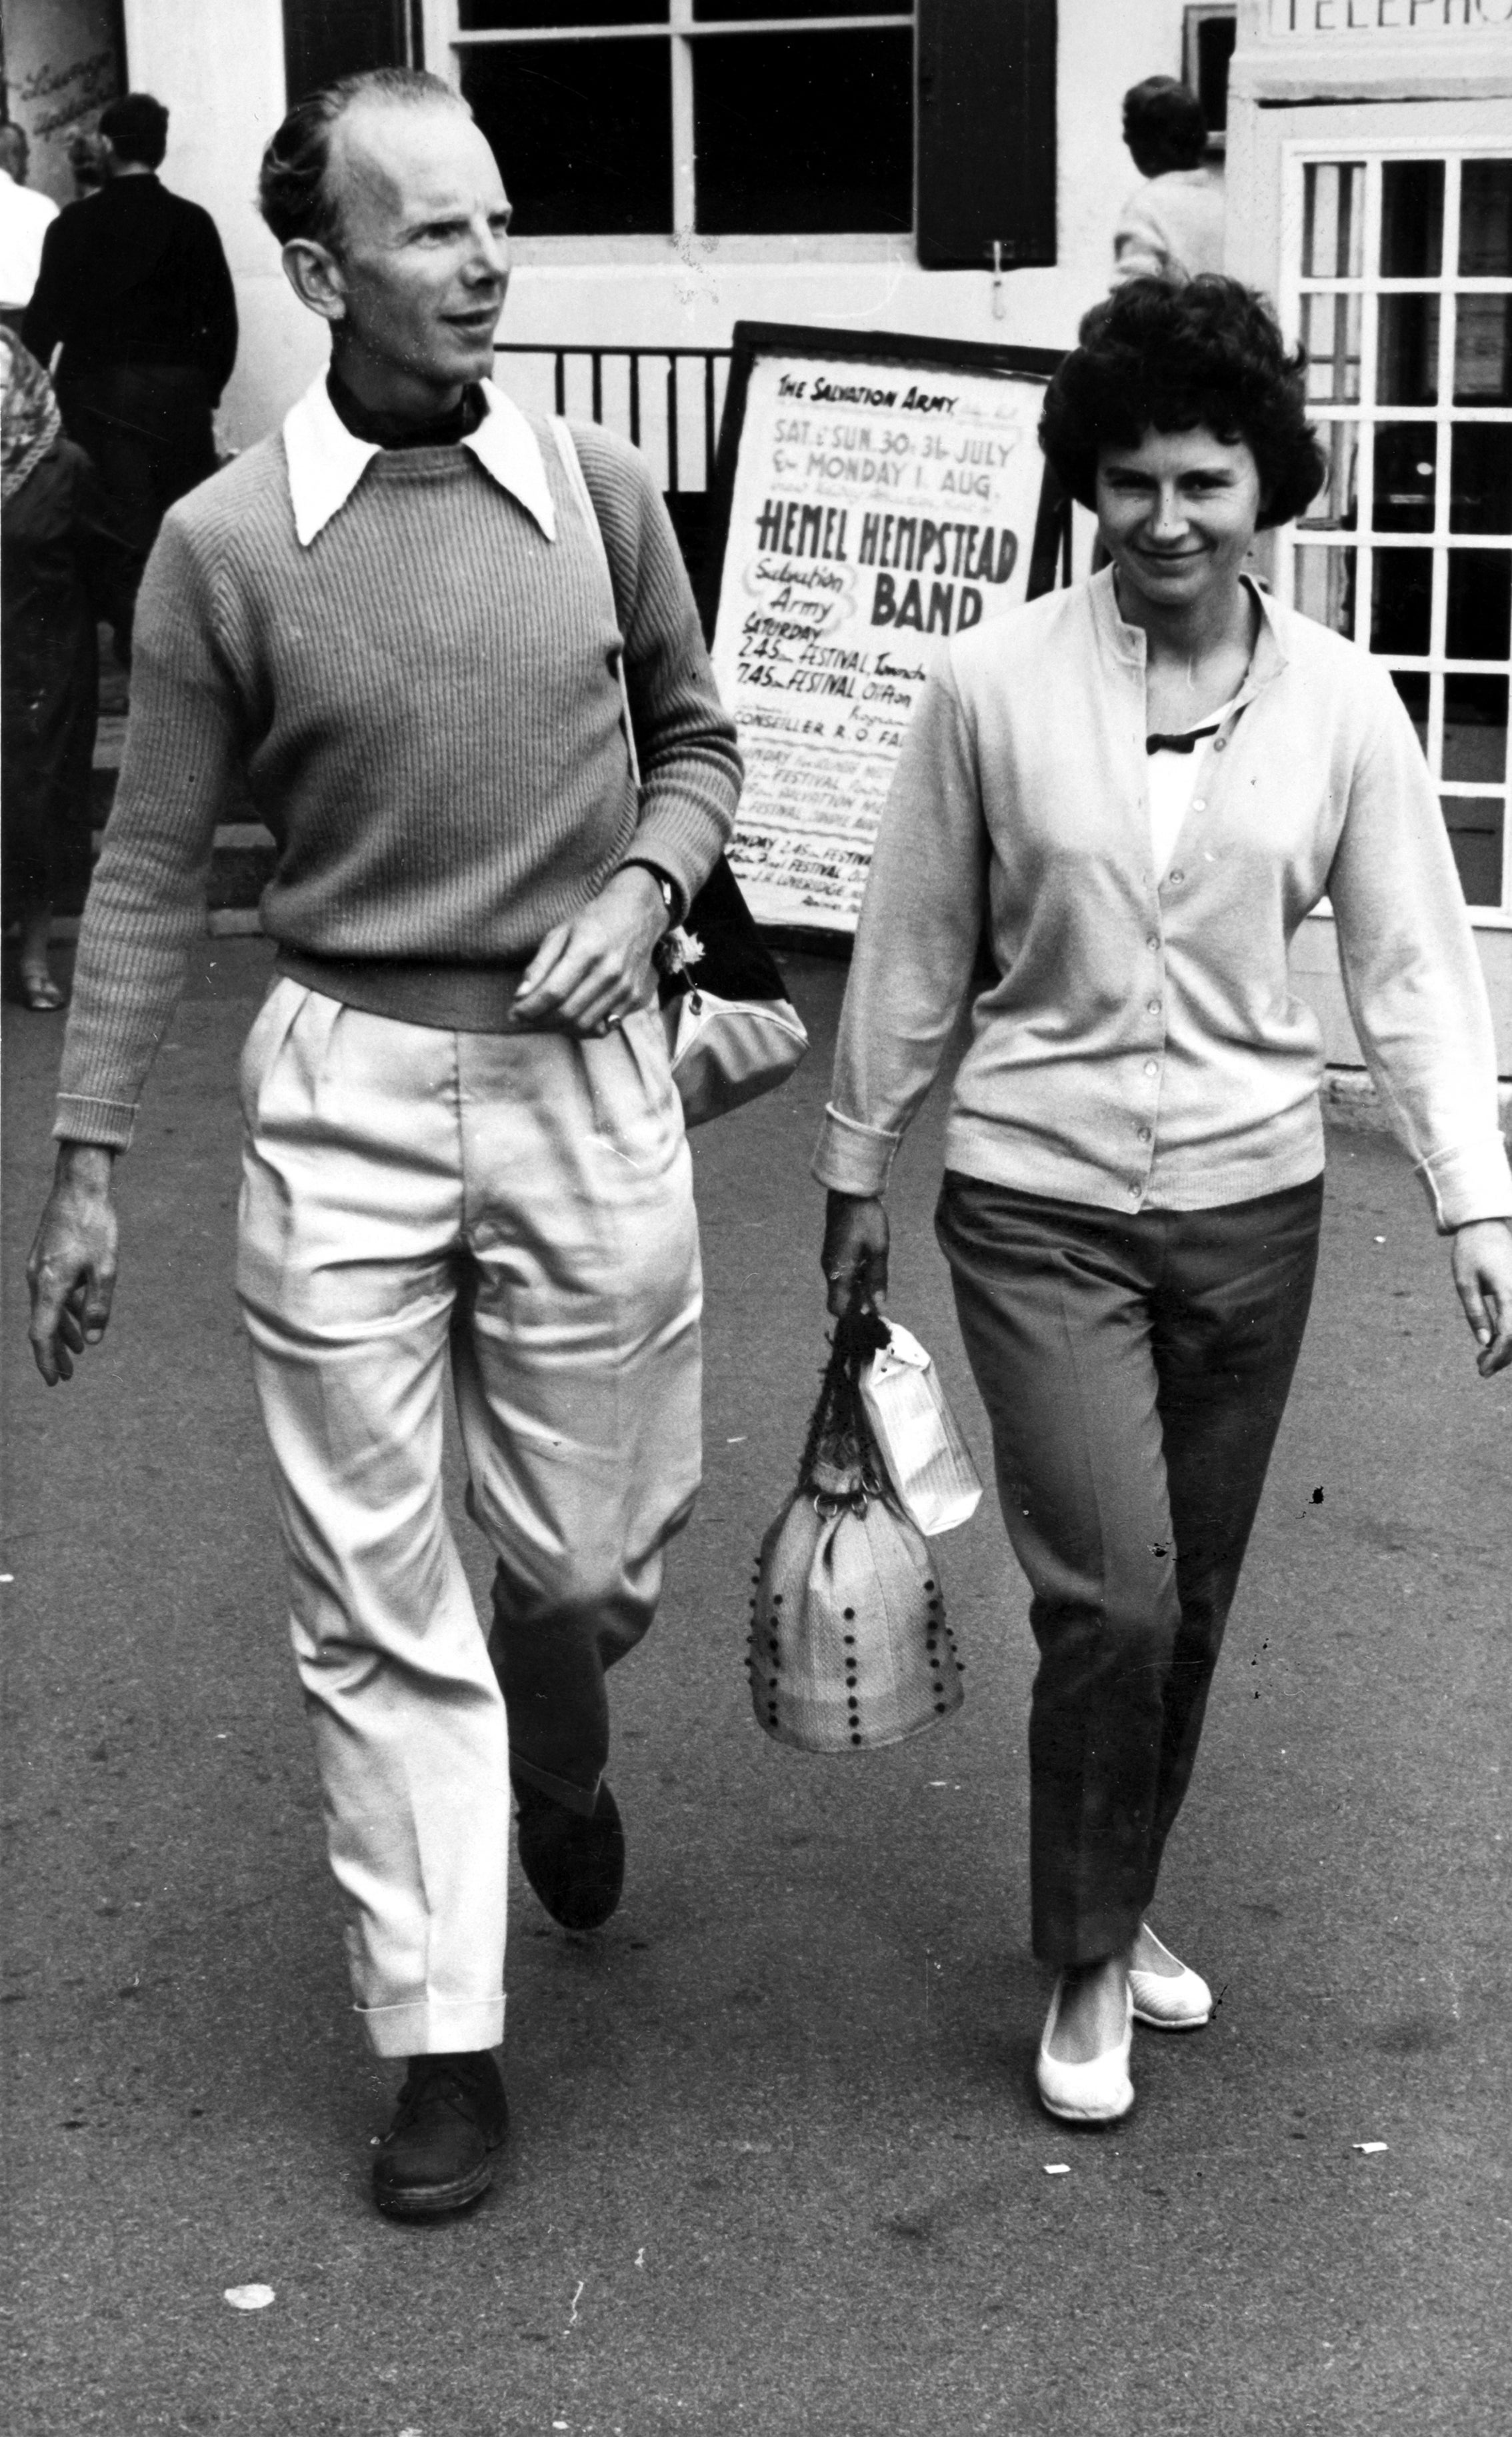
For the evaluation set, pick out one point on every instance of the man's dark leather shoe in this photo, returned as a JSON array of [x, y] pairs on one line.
[[576, 1866], [438, 2152]]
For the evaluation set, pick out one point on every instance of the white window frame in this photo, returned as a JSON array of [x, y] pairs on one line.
[[447, 45], [1365, 413]]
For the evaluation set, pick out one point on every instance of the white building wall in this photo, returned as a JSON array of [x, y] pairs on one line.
[[695, 294], [218, 65], [60, 64]]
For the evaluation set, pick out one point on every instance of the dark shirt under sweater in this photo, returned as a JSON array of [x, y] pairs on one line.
[[134, 275], [395, 432]]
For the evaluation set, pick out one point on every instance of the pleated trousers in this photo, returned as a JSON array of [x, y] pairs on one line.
[[515, 1211]]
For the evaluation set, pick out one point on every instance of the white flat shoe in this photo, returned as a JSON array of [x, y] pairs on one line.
[[1179, 2002], [1099, 2092]]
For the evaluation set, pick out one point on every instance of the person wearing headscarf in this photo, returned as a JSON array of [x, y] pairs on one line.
[[60, 564]]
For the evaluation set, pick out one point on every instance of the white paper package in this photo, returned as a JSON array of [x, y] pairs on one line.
[[930, 1464]]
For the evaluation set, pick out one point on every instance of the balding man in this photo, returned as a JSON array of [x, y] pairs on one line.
[[464, 1150]]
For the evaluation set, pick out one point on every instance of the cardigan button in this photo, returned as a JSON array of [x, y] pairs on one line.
[[1176, 879]]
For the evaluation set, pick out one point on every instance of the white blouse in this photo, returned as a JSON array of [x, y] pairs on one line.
[[1172, 780]]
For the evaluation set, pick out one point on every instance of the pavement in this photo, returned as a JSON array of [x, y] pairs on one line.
[[776, 2163]]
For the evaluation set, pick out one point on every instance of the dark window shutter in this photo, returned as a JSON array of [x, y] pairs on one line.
[[986, 132], [325, 39]]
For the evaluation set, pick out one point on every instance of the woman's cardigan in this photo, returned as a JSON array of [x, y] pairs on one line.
[[1142, 1045]]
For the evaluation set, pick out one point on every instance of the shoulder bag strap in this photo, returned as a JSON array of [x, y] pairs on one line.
[[572, 468]]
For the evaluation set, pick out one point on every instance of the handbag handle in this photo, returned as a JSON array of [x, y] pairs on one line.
[[840, 1416]]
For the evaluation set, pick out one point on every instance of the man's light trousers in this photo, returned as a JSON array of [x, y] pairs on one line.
[[519, 1208]]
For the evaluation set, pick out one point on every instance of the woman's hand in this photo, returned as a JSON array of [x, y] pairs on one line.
[[1482, 1263], [856, 1250]]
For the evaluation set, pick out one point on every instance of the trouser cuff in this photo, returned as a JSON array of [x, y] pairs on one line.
[[429, 2029], [581, 1798], [1069, 1944]]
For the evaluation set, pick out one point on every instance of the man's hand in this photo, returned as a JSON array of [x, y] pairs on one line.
[[856, 1250], [71, 1268], [1482, 1263], [590, 972]]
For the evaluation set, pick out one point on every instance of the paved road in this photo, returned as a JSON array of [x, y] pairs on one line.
[[777, 2167]]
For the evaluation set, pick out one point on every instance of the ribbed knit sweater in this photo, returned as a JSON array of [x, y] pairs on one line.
[[425, 706]]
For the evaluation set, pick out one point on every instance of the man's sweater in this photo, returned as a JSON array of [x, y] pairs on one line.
[[425, 706]]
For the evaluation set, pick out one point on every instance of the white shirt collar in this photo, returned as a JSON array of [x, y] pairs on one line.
[[326, 461]]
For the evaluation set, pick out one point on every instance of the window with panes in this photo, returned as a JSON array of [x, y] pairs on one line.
[[648, 117], [647, 120], [1400, 287]]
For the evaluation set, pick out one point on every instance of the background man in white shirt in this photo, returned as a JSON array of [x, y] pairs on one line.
[[24, 219], [1171, 227]]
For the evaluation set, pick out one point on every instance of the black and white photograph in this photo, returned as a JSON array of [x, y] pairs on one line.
[[756, 1368]]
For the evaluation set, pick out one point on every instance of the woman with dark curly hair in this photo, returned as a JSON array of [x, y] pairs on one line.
[[1134, 791]]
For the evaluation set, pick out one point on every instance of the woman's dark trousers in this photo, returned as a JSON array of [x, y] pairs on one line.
[[1136, 1371]]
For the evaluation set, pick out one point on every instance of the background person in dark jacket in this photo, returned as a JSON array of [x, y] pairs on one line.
[[135, 287]]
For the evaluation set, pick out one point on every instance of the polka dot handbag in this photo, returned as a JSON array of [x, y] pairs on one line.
[[849, 1645]]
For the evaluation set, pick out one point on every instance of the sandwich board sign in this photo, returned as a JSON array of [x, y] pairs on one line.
[[874, 495]]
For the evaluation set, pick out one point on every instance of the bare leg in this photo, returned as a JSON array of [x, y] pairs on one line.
[[38, 988], [1091, 2017], [1093, 2011], [1148, 1955]]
